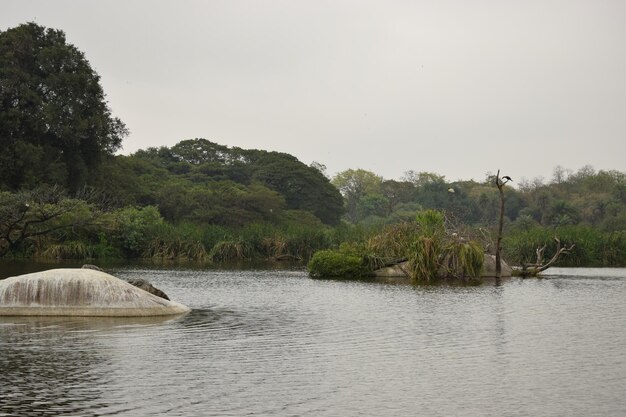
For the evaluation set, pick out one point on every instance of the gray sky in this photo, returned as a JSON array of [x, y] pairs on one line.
[[457, 87]]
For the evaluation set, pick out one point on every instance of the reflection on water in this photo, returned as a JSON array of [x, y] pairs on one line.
[[278, 343]]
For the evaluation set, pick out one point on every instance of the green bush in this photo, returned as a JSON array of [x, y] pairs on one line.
[[337, 264], [431, 223], [103, 249], [134, 229]]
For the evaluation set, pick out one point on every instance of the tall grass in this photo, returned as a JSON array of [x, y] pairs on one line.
[[433, 260], [177, 248], [68, 250], [272, 242], [593, 247], [394, 241], [424, 260], [463, 261], [614, 249], [230, 250]]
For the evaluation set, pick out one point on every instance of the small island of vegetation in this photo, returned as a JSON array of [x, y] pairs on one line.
[[431, 253]]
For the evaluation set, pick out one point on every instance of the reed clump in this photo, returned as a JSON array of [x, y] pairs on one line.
[[230, 250], [67, 250], [178, 249], [425, 259], [462, 261], [439, 254], [394, 241]]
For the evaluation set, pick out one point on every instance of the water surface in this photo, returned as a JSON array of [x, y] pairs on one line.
[[278, 343]]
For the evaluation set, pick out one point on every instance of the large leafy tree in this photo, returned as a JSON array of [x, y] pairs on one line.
[[355, 185], [304, 187], [55, 124], [204, 163]]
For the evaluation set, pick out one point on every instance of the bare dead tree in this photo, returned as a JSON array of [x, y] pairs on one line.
[[500, 182], [540, 264]]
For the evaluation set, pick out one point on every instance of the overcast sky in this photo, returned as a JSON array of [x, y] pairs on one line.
[[456, 87]]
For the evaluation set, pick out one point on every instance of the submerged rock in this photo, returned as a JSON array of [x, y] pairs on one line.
[[79, 292], [137, 282], [398, 270], [146, 286], [489, 267]]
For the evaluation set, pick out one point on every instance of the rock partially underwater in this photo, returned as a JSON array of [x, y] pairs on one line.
[[146, 286], [79, 292], [137, 282]]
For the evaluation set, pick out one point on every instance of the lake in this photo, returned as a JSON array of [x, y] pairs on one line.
[[277, 343]]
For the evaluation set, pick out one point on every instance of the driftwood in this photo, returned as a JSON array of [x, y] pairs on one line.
[[540, 265]]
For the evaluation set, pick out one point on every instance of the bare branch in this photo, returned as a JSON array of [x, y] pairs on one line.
[[45, 210], [540, 265]]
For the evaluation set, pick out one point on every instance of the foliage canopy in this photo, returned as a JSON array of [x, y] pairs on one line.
[[55, 125]]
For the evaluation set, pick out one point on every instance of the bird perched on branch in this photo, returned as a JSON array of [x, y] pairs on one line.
[[506, 177]]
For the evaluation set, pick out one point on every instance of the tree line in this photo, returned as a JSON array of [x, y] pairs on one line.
[[585, 197], [64, 192], [584, 207]]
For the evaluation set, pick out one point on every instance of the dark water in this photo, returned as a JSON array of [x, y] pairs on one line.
[[276, 343]]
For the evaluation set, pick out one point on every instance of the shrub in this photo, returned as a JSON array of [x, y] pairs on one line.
[[134, 228], [431, 223], [337, 264]]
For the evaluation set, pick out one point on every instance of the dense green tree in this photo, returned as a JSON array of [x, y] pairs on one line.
[[132, 228], [431, 190], [304, 187], [355, 185], [199, 151], [206, 163], [396, 193], [55, 124]]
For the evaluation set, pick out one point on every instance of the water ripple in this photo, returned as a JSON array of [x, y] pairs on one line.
[[278, 343]]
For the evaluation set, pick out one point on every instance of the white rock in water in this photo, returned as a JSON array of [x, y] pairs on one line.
[[79, 292]]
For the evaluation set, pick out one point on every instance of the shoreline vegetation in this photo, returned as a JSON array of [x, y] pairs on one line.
[[46, 224], [65, 194]]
